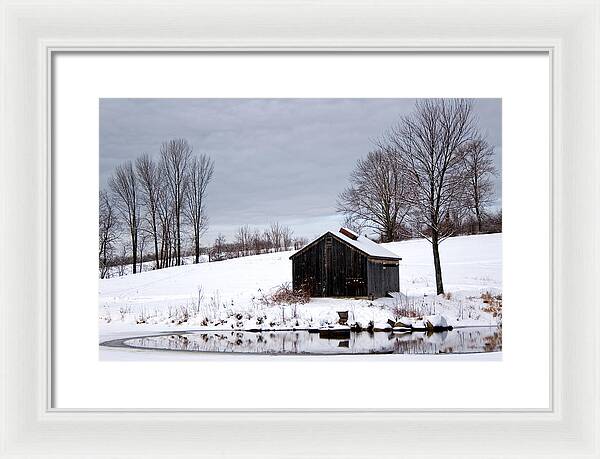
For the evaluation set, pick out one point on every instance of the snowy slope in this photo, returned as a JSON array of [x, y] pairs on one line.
[[468, 263], [471, 266]]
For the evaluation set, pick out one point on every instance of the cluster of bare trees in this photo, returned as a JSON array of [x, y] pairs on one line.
[[159, 201], [254, 241], [429, 174]]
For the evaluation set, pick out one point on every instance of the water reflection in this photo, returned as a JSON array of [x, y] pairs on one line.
[[466, 340]]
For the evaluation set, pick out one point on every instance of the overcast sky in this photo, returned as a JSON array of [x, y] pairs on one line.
[[280, 160]]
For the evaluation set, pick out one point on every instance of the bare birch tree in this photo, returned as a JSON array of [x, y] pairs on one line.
[[176, 155], [376, 197], [149, 179], [430, 145], [124, 186], [201, 169], [479, 164]]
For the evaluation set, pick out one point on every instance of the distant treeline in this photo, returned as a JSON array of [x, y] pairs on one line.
[[246, 241], [490, 222], [253, 241]]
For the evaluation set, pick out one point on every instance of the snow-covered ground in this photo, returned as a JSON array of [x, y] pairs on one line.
[[228, 294], [117, 271]]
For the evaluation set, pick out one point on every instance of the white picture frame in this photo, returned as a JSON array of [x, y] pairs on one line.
[[567, 30]]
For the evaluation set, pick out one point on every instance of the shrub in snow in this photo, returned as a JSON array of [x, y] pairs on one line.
[[107, 317], [493, 305], [284, 294], [123, 311], [403, 306]]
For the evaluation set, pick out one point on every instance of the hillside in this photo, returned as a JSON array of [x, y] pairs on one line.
[[227, 294]]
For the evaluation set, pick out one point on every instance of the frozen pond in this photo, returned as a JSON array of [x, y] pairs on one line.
[[303, 342]]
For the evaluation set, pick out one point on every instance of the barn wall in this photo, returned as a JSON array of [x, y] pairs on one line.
[[308, 269], [383, 277], [349, 271], [330, 268]]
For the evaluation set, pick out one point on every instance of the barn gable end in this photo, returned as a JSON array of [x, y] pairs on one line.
[[331, 266]]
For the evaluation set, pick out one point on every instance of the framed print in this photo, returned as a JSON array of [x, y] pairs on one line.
[[330, 240], [255, 299]]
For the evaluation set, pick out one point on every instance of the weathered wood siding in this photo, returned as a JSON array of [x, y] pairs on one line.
[[308, 270], [348, 275], [330, 268], [383, 277]]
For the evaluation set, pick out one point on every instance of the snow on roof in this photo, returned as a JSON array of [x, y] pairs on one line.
[[364, 244]]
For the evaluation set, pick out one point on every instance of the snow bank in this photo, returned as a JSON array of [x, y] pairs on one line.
[[435, 321]]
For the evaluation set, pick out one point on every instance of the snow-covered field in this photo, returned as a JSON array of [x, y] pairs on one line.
[[148, 266], [227, 295]]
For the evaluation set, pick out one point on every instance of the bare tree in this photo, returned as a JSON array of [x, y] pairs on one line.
[[218, 250], [148, 175], [275, 236], [176, 155], [479, 164], [267, 241], [142, 239], [494, 222], [300, 242], [257, 242], [201, 169], [353, 223], [243, 238], [124, 186], [122, 261], [107, 233], [376, 197], [286, 237], [429, 145], [164, 210]]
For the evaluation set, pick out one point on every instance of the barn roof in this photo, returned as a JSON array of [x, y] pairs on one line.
[[360, 242]]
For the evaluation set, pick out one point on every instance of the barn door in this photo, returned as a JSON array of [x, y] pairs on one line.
[[328, 267]]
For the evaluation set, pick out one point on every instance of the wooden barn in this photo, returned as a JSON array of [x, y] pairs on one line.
[[345, 264]]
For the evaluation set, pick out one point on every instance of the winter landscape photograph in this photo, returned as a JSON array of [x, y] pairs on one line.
[[313, 228]]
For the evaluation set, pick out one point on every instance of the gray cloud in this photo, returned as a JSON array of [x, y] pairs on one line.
[[275, 159]]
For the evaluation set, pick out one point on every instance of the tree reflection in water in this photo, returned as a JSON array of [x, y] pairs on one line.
[[462, 340]]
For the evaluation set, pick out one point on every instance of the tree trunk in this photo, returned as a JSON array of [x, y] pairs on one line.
[[134, 254], [156, 254], [104, 263], [436, 262], [478, 213], [389, 234], [178, 255], [197, 247]]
